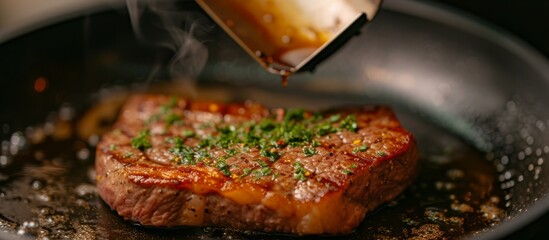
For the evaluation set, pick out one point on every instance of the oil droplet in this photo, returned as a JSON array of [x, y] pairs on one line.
[[30, 224], [83, 154], [37, 184], [4, 160], [93, 140], [286, 39], [310, 33], [40, 84], [85, 189], [268, 18]]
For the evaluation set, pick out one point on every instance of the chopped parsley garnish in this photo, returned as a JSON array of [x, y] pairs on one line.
[[262, 164], [262, 172], [223, 167], [166, 113], [206, 142], [112, 147], [153, 118], [187, 133], [382, 154], [317, 116], [309, 151], [349, 123], [315, 143], [246, 172], [296, 114], [202, 154], [167, 107], [141, 141], [172, 118], [267, 124], [269, 136], [297, 135], [184, 154], [172, 102], [272, 154], [360, 148], [347, 172], [334, 118], [127, 155], [325, 128], [227, 137], [300, 173], [231, 152]]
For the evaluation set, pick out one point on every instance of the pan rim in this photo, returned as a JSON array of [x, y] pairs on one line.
[[433, 12]]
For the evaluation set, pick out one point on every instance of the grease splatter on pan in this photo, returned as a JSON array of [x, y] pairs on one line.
[[47, 187]]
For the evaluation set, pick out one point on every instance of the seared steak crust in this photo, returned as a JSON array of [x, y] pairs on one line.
[[324, 184]]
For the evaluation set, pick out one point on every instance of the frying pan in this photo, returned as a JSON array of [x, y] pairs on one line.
[[454, 81]]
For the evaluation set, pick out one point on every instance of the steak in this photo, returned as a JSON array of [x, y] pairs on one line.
[[174, 162]]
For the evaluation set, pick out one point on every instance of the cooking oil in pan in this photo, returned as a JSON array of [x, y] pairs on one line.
[[48, 189]]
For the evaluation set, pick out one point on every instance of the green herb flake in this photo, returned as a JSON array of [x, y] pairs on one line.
[[309, 151], [347, 172], [349, 123], [127, 155], [317, 116], [295, 114], [185, 154], [202, 154], [324, 129], [172, 118], [382, 154], [206, 142], [272, 154], [112, 147], [262, 164], [334, 118], [300, 173], [188, 133], [262, 172], [267, 125], [231, 152], [245, 172], [223, 167], [353, 166], [298, 135], [153, 118], [315, 143], [141, 141], [173, 102], [167, 107], [360, 148]]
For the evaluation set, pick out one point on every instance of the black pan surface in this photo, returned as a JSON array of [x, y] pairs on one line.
[[474, 97]]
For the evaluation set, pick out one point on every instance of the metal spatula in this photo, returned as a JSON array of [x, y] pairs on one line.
[[288, 36]]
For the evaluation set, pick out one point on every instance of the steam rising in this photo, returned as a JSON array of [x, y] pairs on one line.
[[174, 29]]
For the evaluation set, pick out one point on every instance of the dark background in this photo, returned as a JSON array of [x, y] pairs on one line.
[[528, 19]]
